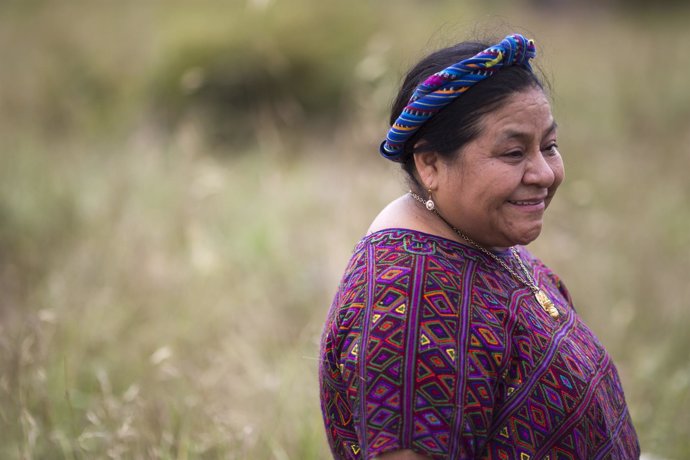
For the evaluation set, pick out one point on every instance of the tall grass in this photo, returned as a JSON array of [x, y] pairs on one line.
[[163, 296]]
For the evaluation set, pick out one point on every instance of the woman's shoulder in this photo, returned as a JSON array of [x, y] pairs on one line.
[[411, 242], [406, 213], [381, 256]]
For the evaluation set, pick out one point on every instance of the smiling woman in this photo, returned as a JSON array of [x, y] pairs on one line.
[[499, 186], [447, 339]]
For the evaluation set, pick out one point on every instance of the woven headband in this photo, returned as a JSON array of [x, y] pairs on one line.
[[443, 87]]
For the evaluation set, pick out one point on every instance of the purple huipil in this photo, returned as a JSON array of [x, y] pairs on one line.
[[431, 345]]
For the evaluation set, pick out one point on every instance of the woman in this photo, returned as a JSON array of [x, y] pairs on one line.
[[447, 339]]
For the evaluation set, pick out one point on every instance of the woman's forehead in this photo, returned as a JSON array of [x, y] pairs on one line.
[[520, 132], [523, 113]]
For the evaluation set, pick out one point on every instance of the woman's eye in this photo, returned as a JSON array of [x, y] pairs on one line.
[[552, 149], [514, 154]]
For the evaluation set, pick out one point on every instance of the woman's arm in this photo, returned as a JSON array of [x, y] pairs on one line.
[[402, 455]]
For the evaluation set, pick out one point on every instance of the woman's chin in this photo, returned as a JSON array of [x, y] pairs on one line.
[[525, 237]]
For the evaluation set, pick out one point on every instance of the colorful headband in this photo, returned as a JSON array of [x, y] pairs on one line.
[[445, 86]]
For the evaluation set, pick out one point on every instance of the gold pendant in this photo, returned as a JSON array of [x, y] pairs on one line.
[[546, 303]]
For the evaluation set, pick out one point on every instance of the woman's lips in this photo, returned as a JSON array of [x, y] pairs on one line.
[[536, 204]]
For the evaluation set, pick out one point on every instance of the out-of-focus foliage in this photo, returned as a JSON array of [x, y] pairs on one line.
[[181, 184], [618, 6], [292, 62]]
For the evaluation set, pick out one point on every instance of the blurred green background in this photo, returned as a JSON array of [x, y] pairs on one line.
[[182, 183]]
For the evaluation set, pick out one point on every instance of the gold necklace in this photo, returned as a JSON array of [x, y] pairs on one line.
[[541, 297]]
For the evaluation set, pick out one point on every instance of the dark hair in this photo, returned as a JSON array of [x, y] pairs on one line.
[[458, 123]]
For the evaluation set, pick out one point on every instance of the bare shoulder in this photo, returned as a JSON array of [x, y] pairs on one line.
[[405, 212], [399, 213]]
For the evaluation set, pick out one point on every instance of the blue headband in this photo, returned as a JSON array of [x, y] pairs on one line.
[[443, 87]]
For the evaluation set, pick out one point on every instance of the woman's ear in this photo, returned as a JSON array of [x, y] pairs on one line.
[[427, 164]]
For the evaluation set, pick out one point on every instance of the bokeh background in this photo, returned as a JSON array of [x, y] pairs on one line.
[[182, 183]]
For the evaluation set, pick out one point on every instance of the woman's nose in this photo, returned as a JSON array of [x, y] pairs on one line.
[[539, 172]]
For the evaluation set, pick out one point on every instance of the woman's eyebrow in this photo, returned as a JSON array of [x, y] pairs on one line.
[[551, 128], [517, 134]]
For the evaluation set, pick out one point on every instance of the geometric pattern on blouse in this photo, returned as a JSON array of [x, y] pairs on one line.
[[430, 345]]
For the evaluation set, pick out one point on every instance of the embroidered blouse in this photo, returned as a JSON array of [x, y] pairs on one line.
[[431, 345]]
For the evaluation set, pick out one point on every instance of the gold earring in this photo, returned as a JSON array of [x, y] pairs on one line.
[[430, 205]]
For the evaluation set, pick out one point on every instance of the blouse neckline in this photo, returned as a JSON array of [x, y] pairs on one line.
[[430, 236]]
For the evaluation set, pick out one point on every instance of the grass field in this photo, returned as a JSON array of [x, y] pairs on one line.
[[166, 263]]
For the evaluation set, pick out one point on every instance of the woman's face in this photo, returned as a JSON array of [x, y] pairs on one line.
[[498, 186]]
